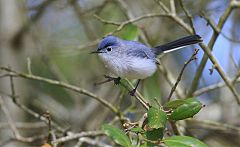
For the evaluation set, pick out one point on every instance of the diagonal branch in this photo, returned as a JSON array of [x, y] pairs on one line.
[[211, 43], [64, 85], [193, 57]]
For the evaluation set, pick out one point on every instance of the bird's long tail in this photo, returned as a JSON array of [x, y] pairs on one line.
[[177, 44]]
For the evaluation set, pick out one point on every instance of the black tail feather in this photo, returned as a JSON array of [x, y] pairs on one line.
[[189, 40]]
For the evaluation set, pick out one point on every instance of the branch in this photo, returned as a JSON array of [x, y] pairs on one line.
[[170, 80], [123, 24], [139, 97], [120, 25], [193, 57], [172, 6], [14, 128], [163, 6], [211, 43], [216, 86], [208, 124], [25, 125], [188, 14], [90, 141], [77, 135], [221, 72], [26, 109], [64, 85]]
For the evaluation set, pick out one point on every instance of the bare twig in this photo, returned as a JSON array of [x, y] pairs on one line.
[[221, 72], [78, 135], [25, 125], [139, 97], [62, 84], [172, 6], [107, 21], [216, 86], [26, 109], [214, 37], [212, 125], [170, 80], [120, 25], [47, 115], [188, 14], [14, 128], [193, 57], [123, 24], [163, 6], [90, 141]]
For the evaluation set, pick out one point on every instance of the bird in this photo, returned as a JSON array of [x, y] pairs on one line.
[[133, 59]]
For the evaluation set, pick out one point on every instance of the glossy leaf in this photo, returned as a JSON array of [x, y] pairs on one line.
[[191, 107], [183, 141], [137, 130], [156, 118], [174, 104], [154, 135], [117, 135]]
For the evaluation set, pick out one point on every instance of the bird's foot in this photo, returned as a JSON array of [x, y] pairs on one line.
[[115, 80], [132, 92]]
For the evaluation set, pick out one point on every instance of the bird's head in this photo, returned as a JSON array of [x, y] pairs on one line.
[[108, 45]]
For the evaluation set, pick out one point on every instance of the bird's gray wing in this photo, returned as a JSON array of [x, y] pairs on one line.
[[137, 49]]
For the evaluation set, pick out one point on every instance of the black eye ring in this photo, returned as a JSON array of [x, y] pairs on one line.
[[109, 49]]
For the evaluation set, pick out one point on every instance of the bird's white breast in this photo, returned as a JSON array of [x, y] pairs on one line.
[[129, 66]]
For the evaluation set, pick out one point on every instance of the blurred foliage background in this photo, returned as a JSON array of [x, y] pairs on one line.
[[56, 37]]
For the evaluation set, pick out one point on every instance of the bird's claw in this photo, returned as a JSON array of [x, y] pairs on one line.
[[132, 92], [115, 80]]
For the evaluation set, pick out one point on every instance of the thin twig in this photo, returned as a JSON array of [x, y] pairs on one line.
[[90, 141], [25, 125], [62, 84], [170, 80], [216, 86], [211, 43], [163, 6], [208, 124], [172, 6], [139, 97], [78, 135], [221, 72], [188, 14], [193, 57], [14, 129], [26, 109]]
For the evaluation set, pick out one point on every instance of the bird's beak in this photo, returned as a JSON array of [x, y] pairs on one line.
[[98, 51], [95, 52]]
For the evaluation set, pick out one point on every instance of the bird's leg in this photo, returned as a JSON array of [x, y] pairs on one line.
[[109, 79], [132, 92], [115, 80]]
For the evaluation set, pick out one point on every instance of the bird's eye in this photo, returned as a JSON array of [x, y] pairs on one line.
[[109, 49]]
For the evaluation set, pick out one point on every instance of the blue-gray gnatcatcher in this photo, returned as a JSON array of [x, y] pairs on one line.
[[134, 60]]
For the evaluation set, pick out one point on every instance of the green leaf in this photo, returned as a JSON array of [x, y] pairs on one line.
[[117, 135], [156, 118], [174, 104], [190, 107], [154, 135], [130, 32], [183, 141], [137, 130]]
